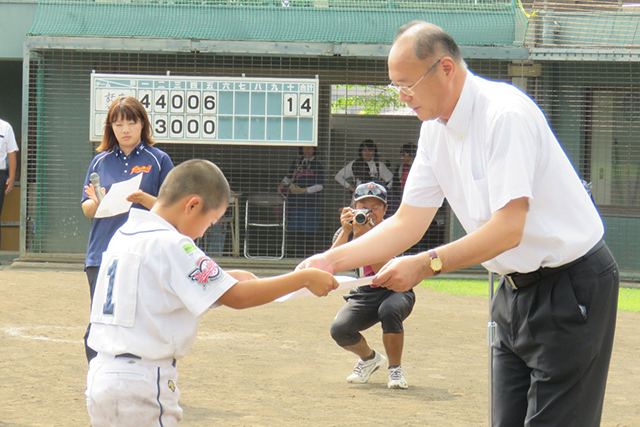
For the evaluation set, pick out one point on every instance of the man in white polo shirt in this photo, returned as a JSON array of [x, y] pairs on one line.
[[8, 161], [488, 149]]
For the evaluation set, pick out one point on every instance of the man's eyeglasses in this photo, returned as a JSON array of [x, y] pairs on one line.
[[408, 90]]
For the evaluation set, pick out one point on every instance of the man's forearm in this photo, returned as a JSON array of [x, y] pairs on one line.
[[13, 164], [503, 232], [392, 237]]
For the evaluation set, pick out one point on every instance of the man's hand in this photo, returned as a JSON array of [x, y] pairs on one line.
[[318, 261], [346, 219], [360, 229], [8, 185], [403, 273], [348, 223]]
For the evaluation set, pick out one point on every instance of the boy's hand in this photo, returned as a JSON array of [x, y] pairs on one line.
[[319, 282], [136, 197], [241, 275]]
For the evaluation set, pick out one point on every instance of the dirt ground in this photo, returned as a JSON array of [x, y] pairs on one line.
[[276, 365]]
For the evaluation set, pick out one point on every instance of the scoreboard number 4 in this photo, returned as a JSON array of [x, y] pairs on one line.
[[163, 101]]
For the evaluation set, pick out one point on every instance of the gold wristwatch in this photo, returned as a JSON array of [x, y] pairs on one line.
[[436, 263]]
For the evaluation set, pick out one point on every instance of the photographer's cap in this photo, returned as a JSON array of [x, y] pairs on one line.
[[370, 189]]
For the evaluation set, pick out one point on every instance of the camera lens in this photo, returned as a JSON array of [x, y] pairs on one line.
[[361, 216]]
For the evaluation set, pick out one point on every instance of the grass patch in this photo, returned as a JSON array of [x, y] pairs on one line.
[[476, 288], [628, 300]]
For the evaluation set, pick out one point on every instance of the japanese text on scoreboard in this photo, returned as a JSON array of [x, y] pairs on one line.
[[215, 110]]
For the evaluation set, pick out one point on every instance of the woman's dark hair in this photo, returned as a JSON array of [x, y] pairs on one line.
[[409, 148], [360, 167], [368, 143], [125, 108], [300, 153]]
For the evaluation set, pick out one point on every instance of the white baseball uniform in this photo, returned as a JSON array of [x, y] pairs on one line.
[[153, 286]]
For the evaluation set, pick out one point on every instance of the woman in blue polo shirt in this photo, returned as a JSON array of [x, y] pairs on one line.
[[127, 150]]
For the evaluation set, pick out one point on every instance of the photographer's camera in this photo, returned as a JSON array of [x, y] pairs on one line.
[[361, 216]]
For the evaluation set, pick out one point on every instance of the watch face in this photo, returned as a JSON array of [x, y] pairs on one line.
[[436, 264]]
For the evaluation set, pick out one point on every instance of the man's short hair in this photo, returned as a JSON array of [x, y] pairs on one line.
[[430, 41], [196, 177]]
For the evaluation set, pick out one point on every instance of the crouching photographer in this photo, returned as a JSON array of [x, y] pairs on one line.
[[367, 305]]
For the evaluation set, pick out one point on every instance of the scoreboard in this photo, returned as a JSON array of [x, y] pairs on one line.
[[215, 110]]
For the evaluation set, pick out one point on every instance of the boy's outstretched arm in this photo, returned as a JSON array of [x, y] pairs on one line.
[[255, 292], [242, 275]]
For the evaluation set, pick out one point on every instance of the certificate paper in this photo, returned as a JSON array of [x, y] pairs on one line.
[[115, 201], [346, 282]]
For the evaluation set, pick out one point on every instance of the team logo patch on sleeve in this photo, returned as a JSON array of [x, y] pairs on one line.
[[206, 271], [188, 248]]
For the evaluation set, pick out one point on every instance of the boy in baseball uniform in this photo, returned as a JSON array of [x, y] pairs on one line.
[[153, 286]]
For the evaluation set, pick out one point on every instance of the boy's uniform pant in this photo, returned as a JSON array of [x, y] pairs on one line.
[[126, 391]]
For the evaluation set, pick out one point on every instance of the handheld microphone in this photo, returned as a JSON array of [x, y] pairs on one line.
[[95, 180]]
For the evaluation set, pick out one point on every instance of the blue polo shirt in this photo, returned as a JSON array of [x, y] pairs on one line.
[[113, 167]]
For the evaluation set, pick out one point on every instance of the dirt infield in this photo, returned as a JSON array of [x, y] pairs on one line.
[[276, 365]]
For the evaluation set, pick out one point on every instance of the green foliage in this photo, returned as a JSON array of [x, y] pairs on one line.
[[367, 99]]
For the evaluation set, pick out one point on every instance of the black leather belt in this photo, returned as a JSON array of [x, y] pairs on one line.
[[522, 280], [133, 356]]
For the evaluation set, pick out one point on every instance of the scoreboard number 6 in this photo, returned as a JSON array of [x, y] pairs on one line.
[[209, 102]]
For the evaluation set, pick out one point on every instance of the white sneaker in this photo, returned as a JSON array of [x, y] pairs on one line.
[[396, 378], [364, 368]]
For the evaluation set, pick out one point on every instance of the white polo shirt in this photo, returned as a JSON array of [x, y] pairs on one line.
[[8, 143], [153, 286], [497, 147]]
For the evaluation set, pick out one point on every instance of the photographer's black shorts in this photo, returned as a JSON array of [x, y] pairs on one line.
[[367, 306]]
